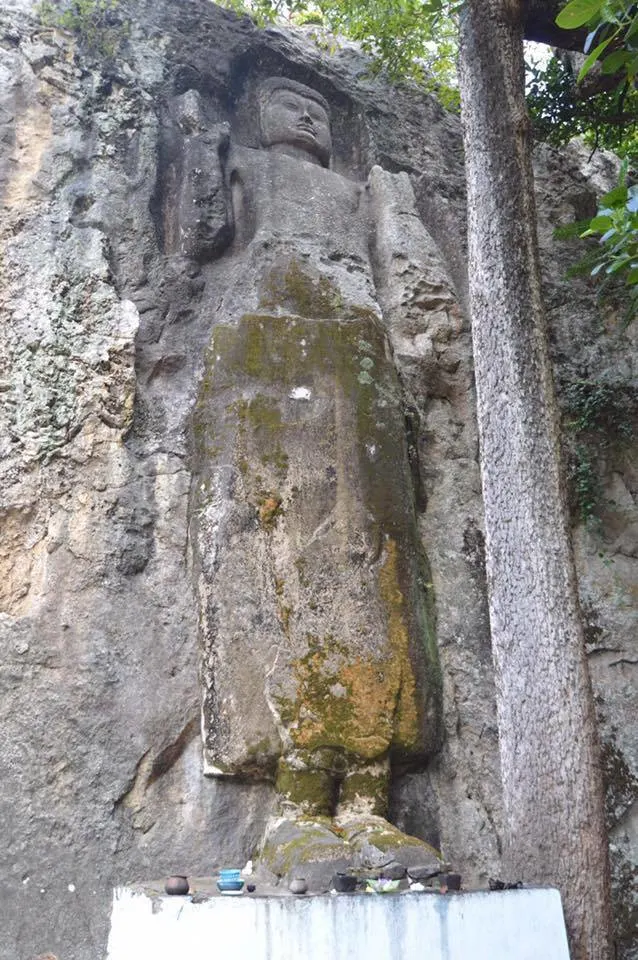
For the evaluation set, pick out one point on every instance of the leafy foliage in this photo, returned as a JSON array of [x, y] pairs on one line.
[[92, 21], [613, 28], [409, 39], [616, 223], [613, 40], [598, 415], [559, 111]]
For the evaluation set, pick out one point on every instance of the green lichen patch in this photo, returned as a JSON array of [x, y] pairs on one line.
[[337, 696], [378, 832], [264, 417], [293, 289], [364, 786], [599, 422], [306, 841], [260, 759], [313, 791]]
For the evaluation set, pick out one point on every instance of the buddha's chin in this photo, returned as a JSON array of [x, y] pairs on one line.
[[305, 137]]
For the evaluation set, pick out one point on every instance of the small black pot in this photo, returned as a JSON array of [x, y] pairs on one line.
[[451, 880], [177, 886], [344, 883]]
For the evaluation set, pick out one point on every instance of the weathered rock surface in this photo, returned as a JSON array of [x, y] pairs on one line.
[[105, 321]]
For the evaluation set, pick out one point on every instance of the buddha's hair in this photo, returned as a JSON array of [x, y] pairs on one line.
[[272, 84]]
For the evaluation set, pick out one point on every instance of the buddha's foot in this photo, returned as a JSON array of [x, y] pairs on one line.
[[304, 847], [378, 845]]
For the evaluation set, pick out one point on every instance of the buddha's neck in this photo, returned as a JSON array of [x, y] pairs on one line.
[[298, 153]]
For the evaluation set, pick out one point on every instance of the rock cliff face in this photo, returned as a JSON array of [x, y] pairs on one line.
[[106, 317]]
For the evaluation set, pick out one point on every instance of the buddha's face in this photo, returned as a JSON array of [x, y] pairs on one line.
[[290, 118]]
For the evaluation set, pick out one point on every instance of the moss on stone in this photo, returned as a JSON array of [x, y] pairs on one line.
[[311, 790], [356, 312], [362, 706], [389, 838], [366, 706], [262, 746], [298, 291], [367, 786], [313, 844], [406, 718], [285, 612], [264, 417]]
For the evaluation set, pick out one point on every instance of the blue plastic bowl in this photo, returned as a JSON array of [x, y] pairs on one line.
[[229, 874], [226, 886]]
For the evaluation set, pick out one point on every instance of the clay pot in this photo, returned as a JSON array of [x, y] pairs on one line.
[[298, 885], [177, 886], [344, 883]]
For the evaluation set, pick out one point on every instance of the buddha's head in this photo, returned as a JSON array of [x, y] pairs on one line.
[[297, 117]]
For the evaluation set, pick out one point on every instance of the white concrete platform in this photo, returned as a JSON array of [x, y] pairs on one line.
[[508, 925]]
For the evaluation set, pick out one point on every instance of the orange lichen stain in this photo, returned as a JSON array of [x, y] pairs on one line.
[[362, 706], [269, 509], [406, 721]]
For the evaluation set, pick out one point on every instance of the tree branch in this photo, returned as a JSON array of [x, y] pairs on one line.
[[539, 24]]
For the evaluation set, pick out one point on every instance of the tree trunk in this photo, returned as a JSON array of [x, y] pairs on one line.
[[555, 830]]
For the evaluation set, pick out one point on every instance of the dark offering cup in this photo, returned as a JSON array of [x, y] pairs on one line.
[[344, 883], [451, 880]]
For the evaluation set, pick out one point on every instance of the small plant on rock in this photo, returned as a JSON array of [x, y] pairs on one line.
[[93, 22], [598, 414]]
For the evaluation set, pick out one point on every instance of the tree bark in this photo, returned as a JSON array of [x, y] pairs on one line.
[[553, 797]]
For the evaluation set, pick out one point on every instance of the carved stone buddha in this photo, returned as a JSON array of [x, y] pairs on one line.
[[319, 661]]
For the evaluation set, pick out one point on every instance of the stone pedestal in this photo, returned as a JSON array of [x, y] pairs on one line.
[[509, 925]]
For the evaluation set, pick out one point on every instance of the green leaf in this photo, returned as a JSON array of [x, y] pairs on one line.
[[577, 13], [618, 265], [615, 197], [600, 224], [632, 276], [593, 57], [615, 60]]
